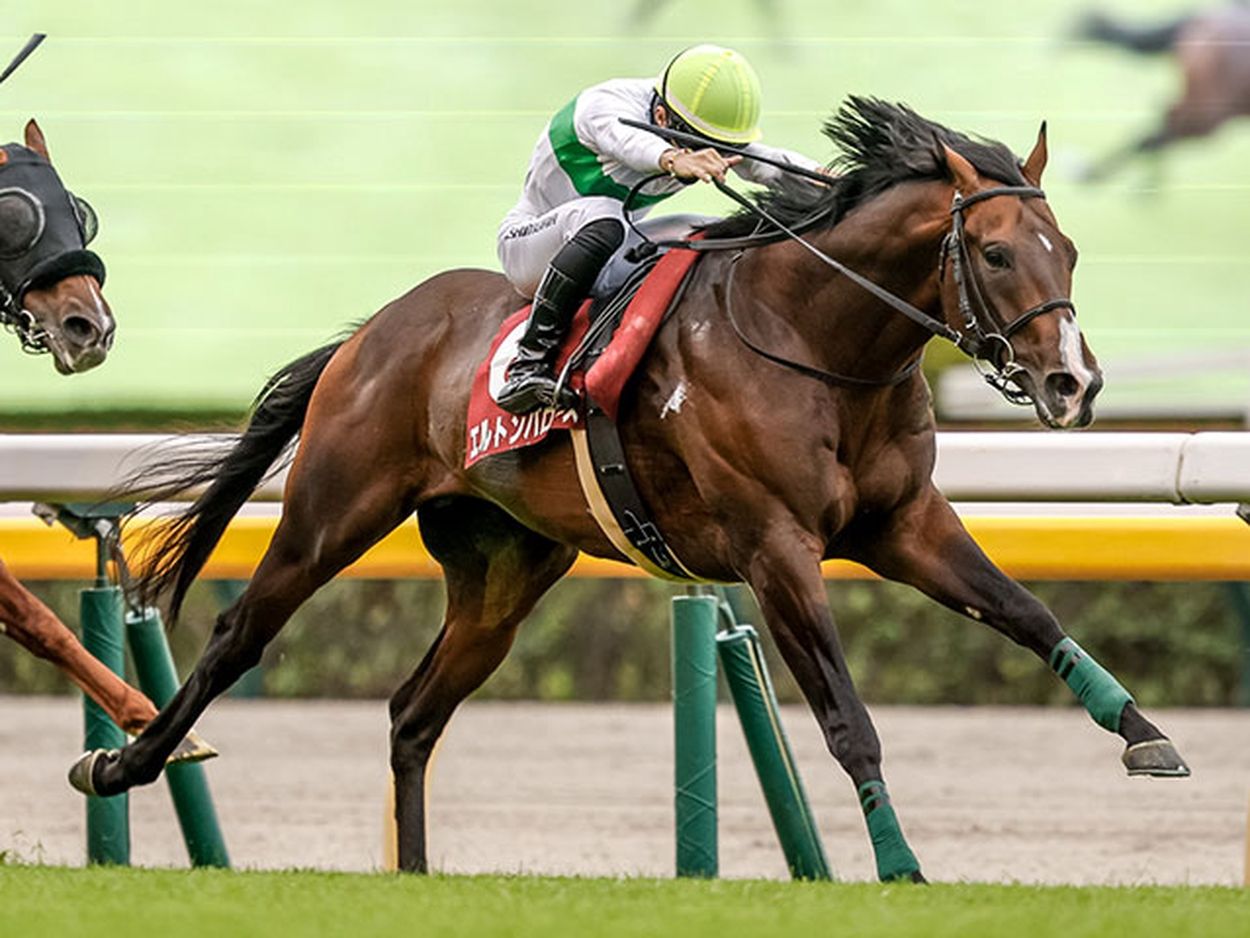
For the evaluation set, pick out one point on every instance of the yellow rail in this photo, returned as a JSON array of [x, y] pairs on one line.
[[1031, 548]]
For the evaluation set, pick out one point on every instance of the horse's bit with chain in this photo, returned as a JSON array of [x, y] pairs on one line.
[[981, 346]]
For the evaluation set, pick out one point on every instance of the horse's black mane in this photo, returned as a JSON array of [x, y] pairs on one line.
[[882, 145]]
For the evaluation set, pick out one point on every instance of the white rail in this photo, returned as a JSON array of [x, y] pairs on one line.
[[1174, 468], [1168, 468]]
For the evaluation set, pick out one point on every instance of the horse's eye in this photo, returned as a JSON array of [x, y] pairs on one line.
[[997, 258]]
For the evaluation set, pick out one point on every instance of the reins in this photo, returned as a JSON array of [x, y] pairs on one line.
[[992, 348], [812, 371]]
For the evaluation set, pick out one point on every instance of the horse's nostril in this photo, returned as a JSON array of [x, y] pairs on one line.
[[1061, 385], [80, 330]]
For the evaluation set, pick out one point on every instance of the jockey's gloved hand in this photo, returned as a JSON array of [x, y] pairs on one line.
[[702, 165]]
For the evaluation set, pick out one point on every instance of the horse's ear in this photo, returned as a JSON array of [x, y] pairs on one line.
[[1036, 162], [35, 141], [963, 172]]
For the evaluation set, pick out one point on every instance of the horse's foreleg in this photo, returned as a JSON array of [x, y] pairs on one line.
[[495, 570], [36, 628], [926, 545], [787, 584]]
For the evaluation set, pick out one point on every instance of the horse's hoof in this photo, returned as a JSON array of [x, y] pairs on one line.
[[82, 772], [193, 748], [1156, 757], [914, 876]]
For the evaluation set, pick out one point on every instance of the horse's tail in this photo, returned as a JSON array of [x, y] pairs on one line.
[[180, 546], [1143, 39]]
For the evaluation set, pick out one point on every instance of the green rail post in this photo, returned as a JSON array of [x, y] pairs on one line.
[[756, 702], [100, 612], [251, 684], [694, 733], [1239, 598], [103, 635], [188, 785], [105, 629]]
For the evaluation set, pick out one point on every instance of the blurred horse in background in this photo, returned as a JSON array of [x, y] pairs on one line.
[[770, 20], [1213, 50]]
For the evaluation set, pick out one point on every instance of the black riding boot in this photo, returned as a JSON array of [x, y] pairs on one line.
[[531, 375]]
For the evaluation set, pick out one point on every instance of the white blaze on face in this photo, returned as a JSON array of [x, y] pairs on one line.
[[97, 300], [1046, 242], [1070, 351]]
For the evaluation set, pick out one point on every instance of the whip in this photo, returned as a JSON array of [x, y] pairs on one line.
[[31, 45]]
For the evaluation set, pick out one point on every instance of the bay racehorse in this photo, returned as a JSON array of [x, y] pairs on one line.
[[755, 466], [51, 299], [1212, 48]]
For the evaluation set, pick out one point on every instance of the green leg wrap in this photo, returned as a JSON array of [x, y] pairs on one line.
[[894, 858], [1103, 696]]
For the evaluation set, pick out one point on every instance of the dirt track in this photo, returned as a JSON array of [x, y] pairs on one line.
[[984, 794]]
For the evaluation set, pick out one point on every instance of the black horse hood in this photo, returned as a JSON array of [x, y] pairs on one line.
[[44, 228]]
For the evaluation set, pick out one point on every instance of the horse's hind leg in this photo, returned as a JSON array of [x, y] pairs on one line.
[[495, 570], [1197, 114], [341, 498], [926, 546], [36, 628]]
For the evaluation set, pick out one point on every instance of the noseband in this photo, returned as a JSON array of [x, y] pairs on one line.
[[994, 347]]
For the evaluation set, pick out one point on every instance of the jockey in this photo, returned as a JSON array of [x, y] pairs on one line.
[[569, 222]]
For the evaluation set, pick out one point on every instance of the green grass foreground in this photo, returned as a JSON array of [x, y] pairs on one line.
[[46, 901]]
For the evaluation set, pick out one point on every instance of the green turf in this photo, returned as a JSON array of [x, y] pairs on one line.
[[37, 902], [266, 173]]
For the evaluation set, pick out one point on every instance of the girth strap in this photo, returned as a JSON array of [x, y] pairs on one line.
[[611, 493]]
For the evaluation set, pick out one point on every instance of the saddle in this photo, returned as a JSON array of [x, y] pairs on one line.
[[607, 339]]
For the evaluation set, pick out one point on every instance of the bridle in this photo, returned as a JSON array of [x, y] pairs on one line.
[[990, 350], [992, 347], [22, 323], [62, 253]]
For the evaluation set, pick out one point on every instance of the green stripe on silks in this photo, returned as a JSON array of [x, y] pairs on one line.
[[582, 164], [894, 858], [1103, 696]]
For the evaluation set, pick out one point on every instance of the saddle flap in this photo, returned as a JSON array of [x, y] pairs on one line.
[[491, 430]]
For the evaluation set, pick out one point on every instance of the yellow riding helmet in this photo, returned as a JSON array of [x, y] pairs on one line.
[[714, 90]]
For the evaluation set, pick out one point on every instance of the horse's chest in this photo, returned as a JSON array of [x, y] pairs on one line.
[[876, 482]]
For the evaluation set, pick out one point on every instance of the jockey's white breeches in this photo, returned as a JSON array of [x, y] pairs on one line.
[[527, 242]]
